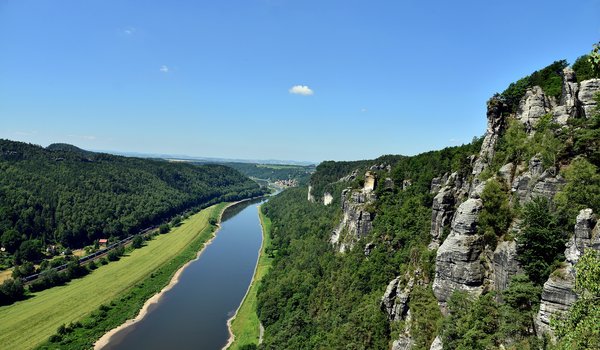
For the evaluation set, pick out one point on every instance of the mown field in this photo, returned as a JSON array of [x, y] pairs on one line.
[[246, 326], [28, 323]]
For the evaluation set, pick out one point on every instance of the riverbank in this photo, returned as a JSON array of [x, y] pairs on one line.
[[244, 326], [105, 339], [88, 307]]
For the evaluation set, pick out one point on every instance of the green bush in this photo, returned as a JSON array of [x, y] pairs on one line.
[[137, 242], [164, 228], [584, 70], [496, 214], [541, 242]]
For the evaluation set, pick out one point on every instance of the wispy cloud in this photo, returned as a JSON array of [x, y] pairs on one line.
[[84, 137], [453, 140], [364, 110], [301, 90], [164, 69]]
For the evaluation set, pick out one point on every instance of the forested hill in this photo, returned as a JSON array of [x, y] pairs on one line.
[[66, 195]]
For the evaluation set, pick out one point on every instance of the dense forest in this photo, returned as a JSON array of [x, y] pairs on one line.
[[316, 298], [70, 197]]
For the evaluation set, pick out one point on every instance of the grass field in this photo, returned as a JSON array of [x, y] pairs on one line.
[[28, 323], [246, 326]]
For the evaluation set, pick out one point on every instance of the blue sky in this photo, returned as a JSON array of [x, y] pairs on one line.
[[215, 78]]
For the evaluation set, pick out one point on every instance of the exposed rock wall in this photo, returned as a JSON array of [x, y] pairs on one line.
[[458, 265]]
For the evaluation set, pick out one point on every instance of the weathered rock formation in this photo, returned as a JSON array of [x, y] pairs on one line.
[[356, 221], [458, 265], [533, 106], [536, 182], [395, 299], [327, 198], [497, 111], [568, 104], [558, 294]]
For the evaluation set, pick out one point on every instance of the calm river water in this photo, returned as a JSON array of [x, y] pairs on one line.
[[193, 315]]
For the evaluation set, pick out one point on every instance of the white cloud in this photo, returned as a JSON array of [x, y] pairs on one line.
[[364, 110], [453, 140], [164, 69], [129, 31], [301, 90]]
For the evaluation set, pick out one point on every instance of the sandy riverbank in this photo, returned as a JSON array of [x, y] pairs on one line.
[[105, 339]]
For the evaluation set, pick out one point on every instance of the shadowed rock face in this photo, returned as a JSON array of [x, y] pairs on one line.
[[458, 266]]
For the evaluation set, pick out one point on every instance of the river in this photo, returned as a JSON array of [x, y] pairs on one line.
[[194, 313]]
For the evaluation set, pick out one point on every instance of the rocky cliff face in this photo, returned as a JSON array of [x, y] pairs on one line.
[[462, 261], [357, 220]]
